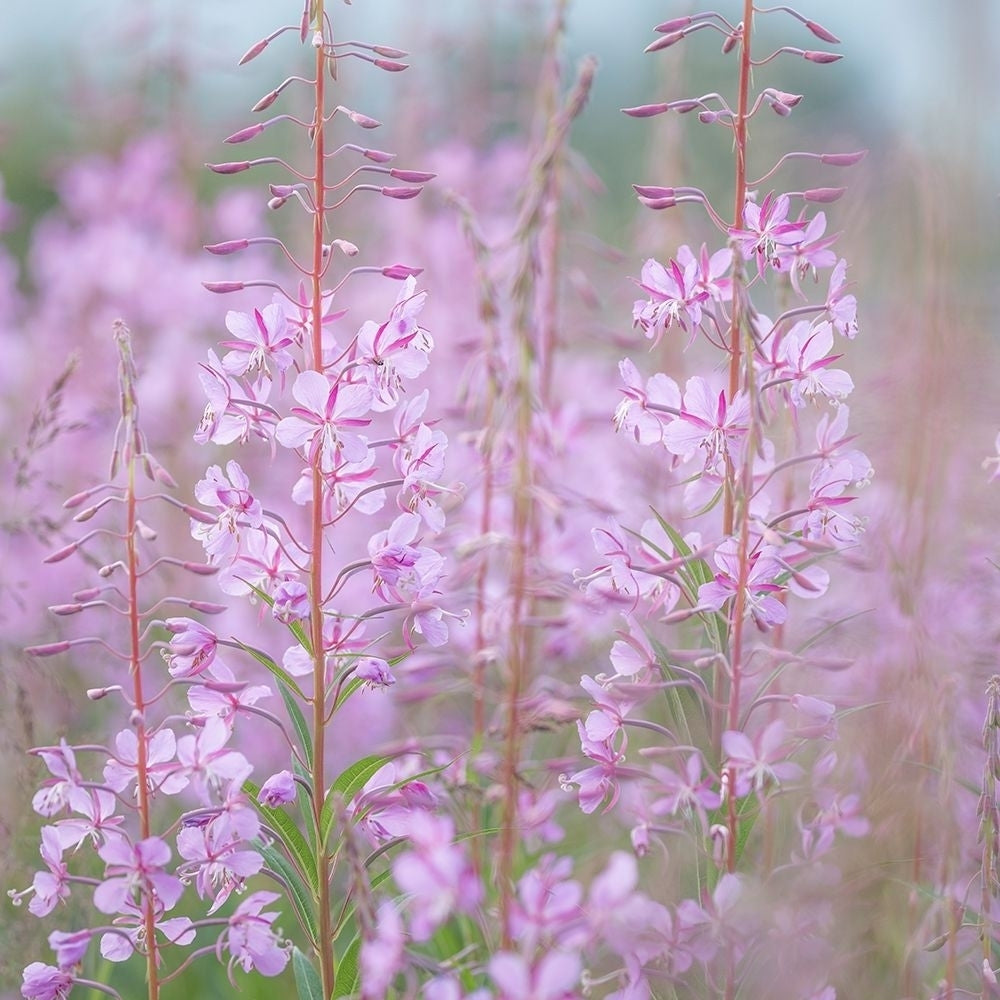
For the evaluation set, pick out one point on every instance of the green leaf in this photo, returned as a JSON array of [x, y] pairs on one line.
[[349, 782], [307, 980], [290, 834], [299, 722], [279, 673], [348, 972], [299, 895]]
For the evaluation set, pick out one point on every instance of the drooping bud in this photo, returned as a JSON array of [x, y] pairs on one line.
[[48, 648], [820, 32], [64, 553], [377, 155], [821, 57], [843, 159], [400, 272], [229, 246], [254, 51], [400, 193], [645, 110], [668, 27], [266, 101], [237, 166], [358, 118], [221, 287], [389, 52], [665, 42], [390, 65], [652, 191], [412, 176], [823, 195], [245, 134]]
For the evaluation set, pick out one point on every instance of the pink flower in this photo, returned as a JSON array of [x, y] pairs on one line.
[[224, 420], [435, 873], [553, 977], [120, 945], [404, 572], [261, 339], [52, 886], [206, 762], [841, 307], [634, 414], [291, 602], [250, 939], [214, 859], [760, 589], [760, 762], [689, 794], [766, 231], [323, 422], [161, 771], [45, 982], [396, 350], [809, 254], [278, 790], [239, 509], [54, 794], [804, 358], [708, 422], [548, 904], [382, 955], [97, 807], [70, 947], [192, 648], [136, 869]]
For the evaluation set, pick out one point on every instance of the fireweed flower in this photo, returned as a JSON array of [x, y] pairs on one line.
[[322, 421], [709, 422], [760, 588], [766, 230], [205, 761], [250, 939], [54, 794], [215, 861], [278, 790], [45, 982], [191, 649], [805, 359], [435, 873], [50, 887], [261, 340], [761, 761], [231, 413], [238, 506], [162, 772], [381, 955], [135, 869], [396, 350], [634, 415]]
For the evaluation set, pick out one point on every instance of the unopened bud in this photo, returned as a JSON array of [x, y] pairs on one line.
[[96, 694], [86, 514], [389, 52], [378, 155], [345, 247], [400, 193], [708, 117], [235, 167], [48, 648], [200, 569], [87, 594], [77, 498], [207, 607], [254, 51], [665, 42], [359, 119], [653, 191], [412, 176], [667, 27], [400, 272], [390, 65], [820, 32], [147, 533], [821, 57], [823, 195], [645, 110], [65, 609], [843, 159], [229, 246], [60, 554], [221, 287], [136, 718], [245, 134], [730, 43], [266, 101], [658, 203], [275, 203]]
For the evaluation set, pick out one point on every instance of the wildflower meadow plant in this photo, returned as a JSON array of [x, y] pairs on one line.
[[367, 716]]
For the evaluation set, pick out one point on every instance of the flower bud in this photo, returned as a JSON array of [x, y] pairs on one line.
[[668, 27], [412, 176], [821, 57], [390, 65], [245, 134], [221, 287], [400, 272], [400, 193], [665, 42], [377, 155], [229, 246], [235, 167], [645, 110]]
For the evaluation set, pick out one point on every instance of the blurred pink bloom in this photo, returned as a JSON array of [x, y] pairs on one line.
[[762, 761], [382, 955], [435, 873], [633, 415], [553, 977], [70, 947], [45, 982], [841, 307]]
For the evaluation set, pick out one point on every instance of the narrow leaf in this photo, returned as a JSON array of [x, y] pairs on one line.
[[298, 892], [291, 836], [307, 980]]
